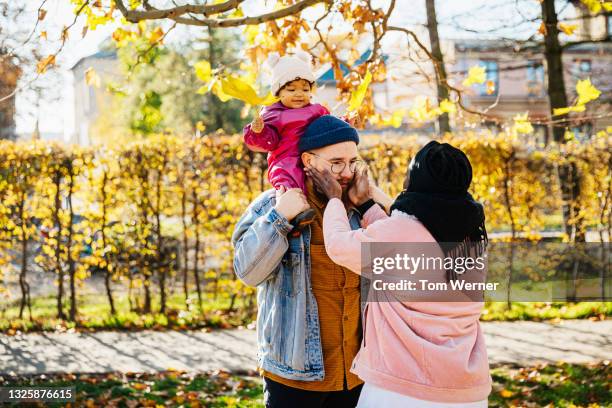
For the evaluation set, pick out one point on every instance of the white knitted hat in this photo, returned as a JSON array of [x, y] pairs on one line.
[[289, 68]]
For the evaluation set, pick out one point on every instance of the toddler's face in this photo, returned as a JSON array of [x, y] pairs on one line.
[[296, 94]]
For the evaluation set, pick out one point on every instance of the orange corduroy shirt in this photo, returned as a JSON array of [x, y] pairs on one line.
[[337, 292]]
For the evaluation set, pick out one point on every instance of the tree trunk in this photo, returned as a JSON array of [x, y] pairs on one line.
[[71, 266], [185, 245], [107, 270], [160, 242], [23, 283], [569, 178], [440, 70], [196, 272], [58, 247]]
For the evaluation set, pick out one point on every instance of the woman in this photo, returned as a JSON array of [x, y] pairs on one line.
[[416, 354]]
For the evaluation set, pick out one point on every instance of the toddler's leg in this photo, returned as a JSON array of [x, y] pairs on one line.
[[288, 180]]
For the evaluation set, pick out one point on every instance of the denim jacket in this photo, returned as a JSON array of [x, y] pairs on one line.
[[288, 331]]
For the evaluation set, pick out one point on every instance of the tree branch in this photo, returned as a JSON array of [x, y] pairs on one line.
[[175, 14], [152, 13], [607, 39], [437, 68]]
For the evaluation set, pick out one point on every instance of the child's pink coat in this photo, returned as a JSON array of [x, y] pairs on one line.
[[283, 128]]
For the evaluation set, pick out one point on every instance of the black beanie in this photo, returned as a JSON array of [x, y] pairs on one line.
[[327, 130], [440, 168]]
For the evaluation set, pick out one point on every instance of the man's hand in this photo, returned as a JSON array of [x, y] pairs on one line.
[[290, 203], [257, 124], [325, 182], [359, 192]]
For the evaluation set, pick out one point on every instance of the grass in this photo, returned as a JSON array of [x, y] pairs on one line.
[[94, 314], [169, 388], [539, 311], [552, 385]]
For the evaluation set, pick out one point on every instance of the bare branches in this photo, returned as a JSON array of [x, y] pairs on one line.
[[437, 68], [177, 12], [566, 45]]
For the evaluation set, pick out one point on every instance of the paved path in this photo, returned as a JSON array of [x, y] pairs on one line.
[[234, 350]]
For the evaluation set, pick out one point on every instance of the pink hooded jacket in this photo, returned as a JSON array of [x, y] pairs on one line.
[[432, 351], [283, 128]]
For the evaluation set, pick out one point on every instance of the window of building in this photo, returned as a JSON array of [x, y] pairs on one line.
[[492, 77], [535, 78], [582, 67]]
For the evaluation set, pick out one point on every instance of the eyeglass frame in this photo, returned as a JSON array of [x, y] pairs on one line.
[[357, 162]]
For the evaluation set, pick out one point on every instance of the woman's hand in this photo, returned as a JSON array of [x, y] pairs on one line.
[[380, 197], [325, 182], [360, 191]]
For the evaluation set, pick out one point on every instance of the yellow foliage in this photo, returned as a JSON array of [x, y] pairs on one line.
[[360, 93], [476, 75]]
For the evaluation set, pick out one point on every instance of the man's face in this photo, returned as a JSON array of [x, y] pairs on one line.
[[295, 94], [336, 156]]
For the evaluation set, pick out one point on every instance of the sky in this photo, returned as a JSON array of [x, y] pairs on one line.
[[58, 117]]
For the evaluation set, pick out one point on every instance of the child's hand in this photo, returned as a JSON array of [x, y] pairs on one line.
[[354, 120], [257, 124]]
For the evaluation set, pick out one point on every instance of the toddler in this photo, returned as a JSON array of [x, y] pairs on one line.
[[277, 130]]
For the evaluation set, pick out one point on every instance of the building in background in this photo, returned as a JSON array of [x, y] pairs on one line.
[[88, 99], [519, 81], [9, 75]]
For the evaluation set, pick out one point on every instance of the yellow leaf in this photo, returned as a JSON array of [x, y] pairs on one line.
[[215, 86], [43, 35], [41, 14], [522, 124], [569, 135], [156, 36], [586, 91], [607, 6], [505, 393], [200, 126], [565, 111], [476, 75], [237, 88], [542, 29], [360, 93], [490, 87], [237, 13], [594, 6], [568, 28], [92, 78], [447, 106], [203, 71], [43, 64]]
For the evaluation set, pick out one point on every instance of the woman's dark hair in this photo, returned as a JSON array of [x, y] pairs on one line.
[[436, 193]]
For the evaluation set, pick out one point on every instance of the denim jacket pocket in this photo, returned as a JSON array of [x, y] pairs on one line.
[[289, 274]]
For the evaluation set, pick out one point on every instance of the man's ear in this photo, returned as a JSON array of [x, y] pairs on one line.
[[306, 158]]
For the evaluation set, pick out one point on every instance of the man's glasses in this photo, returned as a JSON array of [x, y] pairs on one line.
[[338, 167]]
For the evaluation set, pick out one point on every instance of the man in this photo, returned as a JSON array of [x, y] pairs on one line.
[[308, 324]]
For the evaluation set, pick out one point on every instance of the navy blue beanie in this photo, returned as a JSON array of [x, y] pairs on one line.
[[327, 130]]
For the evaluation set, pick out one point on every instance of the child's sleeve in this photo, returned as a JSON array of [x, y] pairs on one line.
[[268, 139]]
